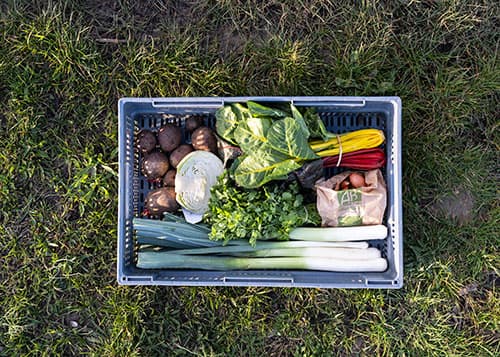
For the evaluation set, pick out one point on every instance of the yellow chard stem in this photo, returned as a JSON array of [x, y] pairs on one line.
[[352, 141]]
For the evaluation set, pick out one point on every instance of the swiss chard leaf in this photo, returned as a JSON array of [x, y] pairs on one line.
[[273, 142], [287, 136], [252, 133], [284, 151], [316, 126], [226, 123], [300, 120], [260, 111], [254, 171]]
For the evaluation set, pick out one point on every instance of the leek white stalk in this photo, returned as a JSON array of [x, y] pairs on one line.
[[307, 244], [329, 253], [320, 252], [164, 260], [339, 234]]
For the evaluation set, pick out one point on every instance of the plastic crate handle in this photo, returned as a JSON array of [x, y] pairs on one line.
[[331, 103], [257, 279], [182, 104]]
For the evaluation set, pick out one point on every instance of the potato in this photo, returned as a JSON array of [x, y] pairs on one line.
[[146, 141], [169, 178], [155, 165], [357, 180], [178, 154], [345, 185], [169, 137], [193, 123], [161, 200], [204, 138]]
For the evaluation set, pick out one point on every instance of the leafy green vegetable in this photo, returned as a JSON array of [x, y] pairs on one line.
[[260, 111], [273, 143], [254, 171], [269, 212], [226, 122], [300, 120], [289, 137], [316, 126], [283, 152], [251, 133]]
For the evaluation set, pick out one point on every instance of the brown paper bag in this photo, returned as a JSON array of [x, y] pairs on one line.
[[353, 207]]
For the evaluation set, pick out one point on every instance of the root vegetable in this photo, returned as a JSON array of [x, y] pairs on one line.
[[357, 180], [161, 200], [169, 137], [169, 178], [178, 154], [204, 139], [344, 185], [146, 141], [193, 123], [155, 165]]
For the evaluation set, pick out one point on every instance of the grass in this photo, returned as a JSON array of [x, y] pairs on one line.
[[64, 65]]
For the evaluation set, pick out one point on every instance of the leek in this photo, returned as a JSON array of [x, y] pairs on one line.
[[321, 252], [240, 248], [165, 260], [331, 253], [187, 246], [169, 233], [339, 234]]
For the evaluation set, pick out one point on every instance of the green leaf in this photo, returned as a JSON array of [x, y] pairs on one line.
[[242, 113], [316, 126], [251, 134], [260, 111], [272, 147], [300, 120], [284, 151], [269, 212], [256, 170], [227, 121], [287, 136]]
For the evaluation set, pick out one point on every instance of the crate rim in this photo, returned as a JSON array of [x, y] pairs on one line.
[[340, 101]]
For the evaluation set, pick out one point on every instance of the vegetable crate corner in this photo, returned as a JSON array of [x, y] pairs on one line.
[[260, 191]]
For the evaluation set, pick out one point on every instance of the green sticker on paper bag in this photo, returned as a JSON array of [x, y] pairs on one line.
[[349, 198], [349, 208]]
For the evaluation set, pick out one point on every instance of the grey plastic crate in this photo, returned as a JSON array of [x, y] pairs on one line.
[[340, 114]]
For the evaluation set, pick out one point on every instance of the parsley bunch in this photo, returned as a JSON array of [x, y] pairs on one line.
[[269, 212]]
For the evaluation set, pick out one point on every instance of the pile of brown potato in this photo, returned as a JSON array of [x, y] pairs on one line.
[[162, 151]]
